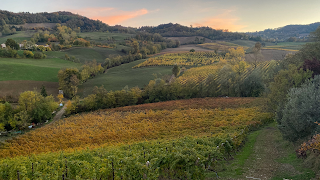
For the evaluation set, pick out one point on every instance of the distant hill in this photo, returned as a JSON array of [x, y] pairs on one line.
[[177, 30], [71, 20], [284, 33]]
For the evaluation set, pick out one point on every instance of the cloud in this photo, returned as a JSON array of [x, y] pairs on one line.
[[224, 20], [110, 16], [115, 19]]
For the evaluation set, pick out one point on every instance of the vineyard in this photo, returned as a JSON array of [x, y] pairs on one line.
[[219, 70], [312, 145], [199, 74], [196, 103], [182, 59], [162, 140]]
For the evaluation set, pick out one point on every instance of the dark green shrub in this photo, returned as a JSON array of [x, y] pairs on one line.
[[39, 55], [298, 116]]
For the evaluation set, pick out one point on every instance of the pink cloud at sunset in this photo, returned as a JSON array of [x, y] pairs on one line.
[[110, 16], [221, 21]]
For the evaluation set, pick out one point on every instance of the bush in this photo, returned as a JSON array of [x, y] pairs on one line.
[[297, 118], [192, 50], [28, 54], [39, 55]]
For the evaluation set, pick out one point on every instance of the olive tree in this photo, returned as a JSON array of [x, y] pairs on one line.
[[298, 116]]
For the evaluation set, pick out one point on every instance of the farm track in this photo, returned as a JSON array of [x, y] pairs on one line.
[[262, 163], [59, 115], [266, 160]]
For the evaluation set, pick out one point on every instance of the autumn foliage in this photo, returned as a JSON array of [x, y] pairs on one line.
[[111, 128], [182, 59], [162, 140]]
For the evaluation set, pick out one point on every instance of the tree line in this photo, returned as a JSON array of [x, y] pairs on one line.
[[71, 20], [173, 30]]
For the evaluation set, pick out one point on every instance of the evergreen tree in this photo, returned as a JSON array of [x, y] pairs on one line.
[[43, 91], [176, 70]]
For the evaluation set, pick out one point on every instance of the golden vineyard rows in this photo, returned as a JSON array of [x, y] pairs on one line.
[[198, 74], [111, 128], [182, 59], [161, 140]]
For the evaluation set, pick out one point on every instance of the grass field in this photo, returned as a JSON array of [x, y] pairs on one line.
[[85, 54], [103, 36], [247, 43], [32, 69], [18, 37], [286, 46], [118, 77], [188, 40]]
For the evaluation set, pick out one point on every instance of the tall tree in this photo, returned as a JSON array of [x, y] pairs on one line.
[[68, 81], [12, 44], [43, 91], [176, 70]]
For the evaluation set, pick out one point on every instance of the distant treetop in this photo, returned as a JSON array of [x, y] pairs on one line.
[[71, 20], [173, 30]]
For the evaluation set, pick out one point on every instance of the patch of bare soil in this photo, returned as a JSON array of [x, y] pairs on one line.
[[270, 54], [14, 88]]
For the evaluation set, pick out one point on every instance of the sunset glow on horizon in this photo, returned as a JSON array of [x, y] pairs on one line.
[[244, 16]]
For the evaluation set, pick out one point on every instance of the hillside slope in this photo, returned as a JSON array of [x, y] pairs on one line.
[[284, 33]]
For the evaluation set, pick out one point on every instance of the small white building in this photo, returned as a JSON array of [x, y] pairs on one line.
[[3, 46]]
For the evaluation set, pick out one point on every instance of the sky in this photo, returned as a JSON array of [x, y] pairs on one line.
[[234, 15]]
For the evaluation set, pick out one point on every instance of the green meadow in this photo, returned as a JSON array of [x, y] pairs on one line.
[[103, 36], [118, 77], [18, 37], [32, 69], [85, 54]]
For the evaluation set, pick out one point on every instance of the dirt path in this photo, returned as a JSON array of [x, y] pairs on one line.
[[59, 114], [262, 163]]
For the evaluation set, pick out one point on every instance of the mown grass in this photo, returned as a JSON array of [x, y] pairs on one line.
[[18, 37], [290, 166], [302, 172], [286, 45], [103, 36], [85, 54], [32, 69], [118, 77]]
